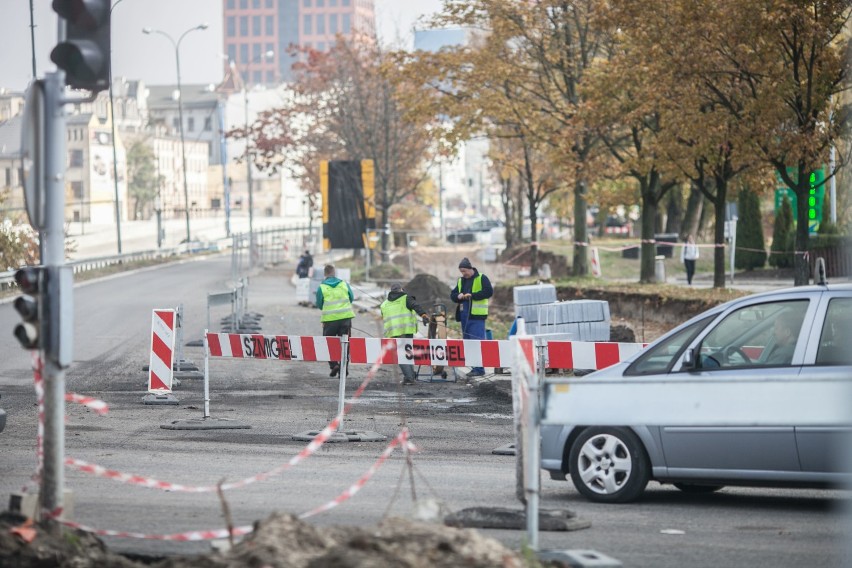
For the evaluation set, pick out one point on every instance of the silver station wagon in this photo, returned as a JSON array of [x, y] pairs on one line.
[[675, 412]]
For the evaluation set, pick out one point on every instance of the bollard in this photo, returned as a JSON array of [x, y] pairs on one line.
[[660, 269]]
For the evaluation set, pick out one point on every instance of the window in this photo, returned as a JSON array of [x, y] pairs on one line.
[[270, 47], [243, 4], [256, 26], [332, 23], [320, 3], [256, 54], [661, 358], [255, 4], [347, 23], [257, 77], [231, 4], [306, 3], [76, 159], [345, 2], [834, 339], [232, 52], [332, 3], [270, 76], [270, 26], [320, 24], [244, 26], [77, 189], [321, 46], [270, 3], [190, 124], [307, 24], [176, 123], [244, 58], [8, 177], [232, 26], [208, 124], [763, 335]]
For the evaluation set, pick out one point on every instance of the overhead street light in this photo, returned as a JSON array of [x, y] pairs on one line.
[[266, 55], [176, 45]]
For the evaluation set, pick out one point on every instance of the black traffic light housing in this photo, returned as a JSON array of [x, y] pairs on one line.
[[32, 282], [85, 53]]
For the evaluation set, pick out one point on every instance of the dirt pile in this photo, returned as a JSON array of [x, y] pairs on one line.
[[428, 290], [522, 256], [281, 541]]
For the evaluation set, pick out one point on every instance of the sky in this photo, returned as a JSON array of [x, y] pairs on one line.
[[151, 57]]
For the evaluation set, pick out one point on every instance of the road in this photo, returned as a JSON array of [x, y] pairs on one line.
[[455, 426]]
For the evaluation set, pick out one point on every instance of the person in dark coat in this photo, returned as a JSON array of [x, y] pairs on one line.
[[306, 261], [471, 294]]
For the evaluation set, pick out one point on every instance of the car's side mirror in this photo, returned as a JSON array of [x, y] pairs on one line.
[[690, 362]]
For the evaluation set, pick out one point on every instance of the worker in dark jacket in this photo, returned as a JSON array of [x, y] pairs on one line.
[[399, 316], [334, 298], [471, 294]]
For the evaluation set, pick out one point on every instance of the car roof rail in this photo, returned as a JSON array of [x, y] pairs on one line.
[[819, 272]]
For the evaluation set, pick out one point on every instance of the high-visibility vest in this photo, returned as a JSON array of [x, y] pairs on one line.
[[335, 302], [478, 307], [398, 320]]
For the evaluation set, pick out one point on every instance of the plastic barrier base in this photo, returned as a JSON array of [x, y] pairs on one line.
[[159, 399], [515, 519], [579, 558], [206, 424], [348, 436], [505, 450]]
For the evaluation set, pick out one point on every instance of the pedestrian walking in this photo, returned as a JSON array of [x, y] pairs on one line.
[[334, 298], [306, 261], [399, 317], [471, 295], [688, 255]]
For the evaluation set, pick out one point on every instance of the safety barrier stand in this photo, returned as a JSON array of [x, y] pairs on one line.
[[160, 368]]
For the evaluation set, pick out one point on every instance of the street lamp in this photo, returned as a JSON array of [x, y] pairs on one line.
[[266, 55], [114, 153], [176, 45]]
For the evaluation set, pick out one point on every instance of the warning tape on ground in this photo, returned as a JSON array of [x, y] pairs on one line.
[[445, 352]]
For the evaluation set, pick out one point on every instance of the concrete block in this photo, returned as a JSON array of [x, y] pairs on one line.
[[579, 558], [27, 504], [534, 294]]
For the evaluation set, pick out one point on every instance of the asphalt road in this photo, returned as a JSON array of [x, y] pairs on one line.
[[455, 426]]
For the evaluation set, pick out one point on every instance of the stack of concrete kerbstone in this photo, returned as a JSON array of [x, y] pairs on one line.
[[581, 320]]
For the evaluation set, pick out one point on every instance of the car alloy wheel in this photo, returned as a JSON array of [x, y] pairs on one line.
[[609, 465]]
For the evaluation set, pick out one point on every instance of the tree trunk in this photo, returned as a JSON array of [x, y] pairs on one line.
[[506, 202], [649, 249], [580, 261], [801, 268], [674, 211], [719, 238], [692, 216], [533, 240]]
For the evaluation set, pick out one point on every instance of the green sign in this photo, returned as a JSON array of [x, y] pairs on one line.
[[816, 196]]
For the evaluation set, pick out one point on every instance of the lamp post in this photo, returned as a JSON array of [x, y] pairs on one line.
[[176, 45], [249, 181], [114, 153]]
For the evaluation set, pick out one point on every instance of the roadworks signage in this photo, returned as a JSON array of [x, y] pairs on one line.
[[162, 351]]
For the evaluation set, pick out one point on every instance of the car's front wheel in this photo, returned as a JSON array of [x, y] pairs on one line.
[[609, 465]]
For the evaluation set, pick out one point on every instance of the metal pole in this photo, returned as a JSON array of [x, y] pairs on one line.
[[114, 152], [226, 181], [182, 141], [206, 413], [32, 38], [532, 448], [441, 198], [249, 179], [344, 369], [53, 476], [832, 165]]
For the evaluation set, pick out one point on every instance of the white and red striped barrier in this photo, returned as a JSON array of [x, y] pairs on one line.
[[162, 351], [445, 352]]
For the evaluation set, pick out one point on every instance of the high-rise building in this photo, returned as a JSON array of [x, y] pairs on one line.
[[253, 28]]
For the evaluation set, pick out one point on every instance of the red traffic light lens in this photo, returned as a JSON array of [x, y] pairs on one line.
[[28, 279]]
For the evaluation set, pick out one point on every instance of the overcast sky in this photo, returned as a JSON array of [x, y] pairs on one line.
[[151, 57]]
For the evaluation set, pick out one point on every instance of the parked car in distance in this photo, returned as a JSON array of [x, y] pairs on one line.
[[797, 336], [468, 234]]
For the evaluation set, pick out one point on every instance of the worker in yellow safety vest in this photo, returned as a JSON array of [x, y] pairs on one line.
[[334, 298], [471, 294], [399, 316]]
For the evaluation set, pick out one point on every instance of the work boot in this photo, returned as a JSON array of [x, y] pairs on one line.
[[334, 371]]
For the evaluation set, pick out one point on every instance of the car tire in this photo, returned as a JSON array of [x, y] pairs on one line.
[[609, 465], [697, 489]]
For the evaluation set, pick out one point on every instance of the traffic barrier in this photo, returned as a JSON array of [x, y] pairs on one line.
[[162, 358], [388, 351]]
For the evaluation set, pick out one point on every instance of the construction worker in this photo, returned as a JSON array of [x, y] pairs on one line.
[[471, 295], [399, 316], [334, 298]]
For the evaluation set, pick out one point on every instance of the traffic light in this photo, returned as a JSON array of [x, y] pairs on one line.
[[32, 282], [85, 53]]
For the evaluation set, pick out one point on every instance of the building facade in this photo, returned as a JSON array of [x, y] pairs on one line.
[[254, 27]]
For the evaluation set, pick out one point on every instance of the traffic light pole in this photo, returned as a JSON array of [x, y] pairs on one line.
[[53, 235]]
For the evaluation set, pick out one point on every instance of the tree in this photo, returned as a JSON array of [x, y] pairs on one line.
[[750, 252], [346, 107], [143, 181], [782, 235]]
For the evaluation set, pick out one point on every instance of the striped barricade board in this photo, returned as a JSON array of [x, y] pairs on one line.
[[444, 352]]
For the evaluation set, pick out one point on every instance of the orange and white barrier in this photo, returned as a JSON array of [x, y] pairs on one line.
[[162, 352], [445, 352], [596, 263]]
